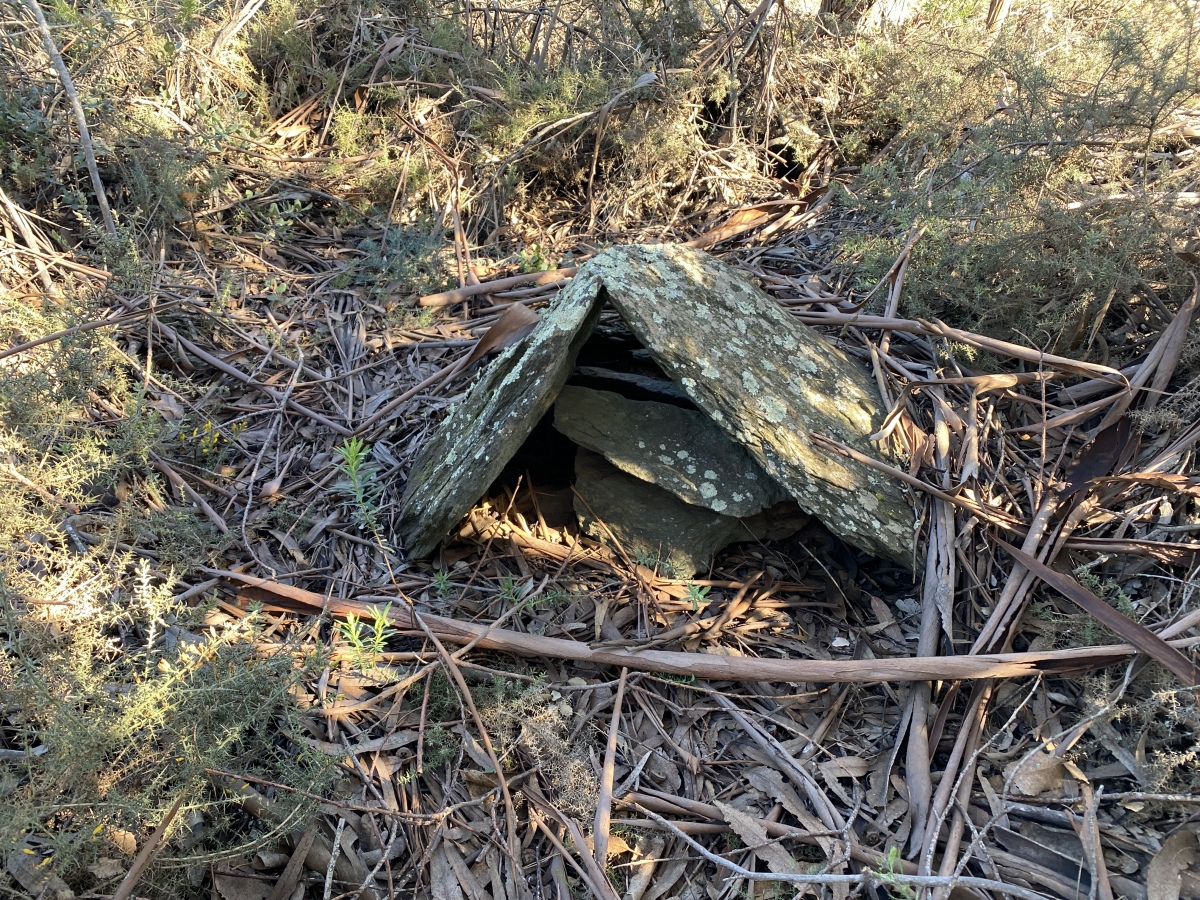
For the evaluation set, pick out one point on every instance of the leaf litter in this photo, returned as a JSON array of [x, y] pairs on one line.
[[816, 776], [830, 757]]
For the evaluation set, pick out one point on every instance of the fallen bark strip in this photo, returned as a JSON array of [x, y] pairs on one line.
[[86, 326], [1134, 632], [281, 597], [935, 328], [458, 295]]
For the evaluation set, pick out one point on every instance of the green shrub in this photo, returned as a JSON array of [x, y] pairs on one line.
[[1037, 160]]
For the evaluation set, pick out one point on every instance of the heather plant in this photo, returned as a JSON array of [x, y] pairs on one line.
[[118, 699]]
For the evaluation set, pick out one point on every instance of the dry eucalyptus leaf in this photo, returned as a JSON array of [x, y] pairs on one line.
[[1165, 877], [752, 833], [106, 869], [1036, 774], [442, 881], [239, 884], [30, 870], [645, 861], [845, 767]]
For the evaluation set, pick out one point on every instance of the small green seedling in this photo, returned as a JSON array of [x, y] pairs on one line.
[[367, 640], [510, 590], [895, 866], [442, 585], [698, 595], [359, 483]]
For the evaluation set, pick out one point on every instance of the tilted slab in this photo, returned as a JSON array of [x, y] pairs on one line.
[[767, 381], [680, 450], [483, 430]]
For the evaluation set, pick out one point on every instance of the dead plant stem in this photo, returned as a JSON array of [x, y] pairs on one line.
[[600, 832], [85, 136]]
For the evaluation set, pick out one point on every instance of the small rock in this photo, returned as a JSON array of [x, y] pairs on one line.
[[677, 449], [652, 524]]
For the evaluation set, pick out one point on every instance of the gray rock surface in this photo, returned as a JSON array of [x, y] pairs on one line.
[[679, 450], [639, 387], [651, 524], [763, 378], [483, 431], [767, 381]]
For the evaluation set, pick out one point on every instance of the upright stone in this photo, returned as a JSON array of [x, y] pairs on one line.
[[483, 430], [767, 381]]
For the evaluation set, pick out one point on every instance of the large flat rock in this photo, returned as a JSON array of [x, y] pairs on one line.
[[760, 376], [767, 381], [483, 430], [679, 450]]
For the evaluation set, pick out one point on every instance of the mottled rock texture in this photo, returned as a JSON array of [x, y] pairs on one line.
[[680, 450], [767, 381], [485, 429], [654, 526], [760, 376]]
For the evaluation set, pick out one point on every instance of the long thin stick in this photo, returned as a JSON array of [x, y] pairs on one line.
[[275, 595], [458, 295], [604, 806], [85, 136], [147, 854]]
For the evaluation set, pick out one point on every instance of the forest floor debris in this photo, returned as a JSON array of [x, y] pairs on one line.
[[209, 422]]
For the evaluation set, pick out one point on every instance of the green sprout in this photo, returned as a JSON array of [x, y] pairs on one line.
[[442, 586], [359, 482], [698, 595], [895, 867], [367, 640], [510, 590]]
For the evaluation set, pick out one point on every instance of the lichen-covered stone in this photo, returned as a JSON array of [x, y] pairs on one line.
[[763, 378], [767, 381], [679, 450], [483, 431], [654, 526]]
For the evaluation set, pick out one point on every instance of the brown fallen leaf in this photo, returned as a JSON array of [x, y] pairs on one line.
[[106, 868], [1165, 876], [514, 323], [845, 767], [754, 836], [1037, 774], [1097, 458], [1165, 480], [442, 881], [235, 882]]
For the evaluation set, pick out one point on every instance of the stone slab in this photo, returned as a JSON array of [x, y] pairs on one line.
[[654, 526], [679, 450], [483, 430], [766, 380]]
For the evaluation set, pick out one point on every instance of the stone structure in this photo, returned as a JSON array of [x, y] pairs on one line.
[[765, 380]]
